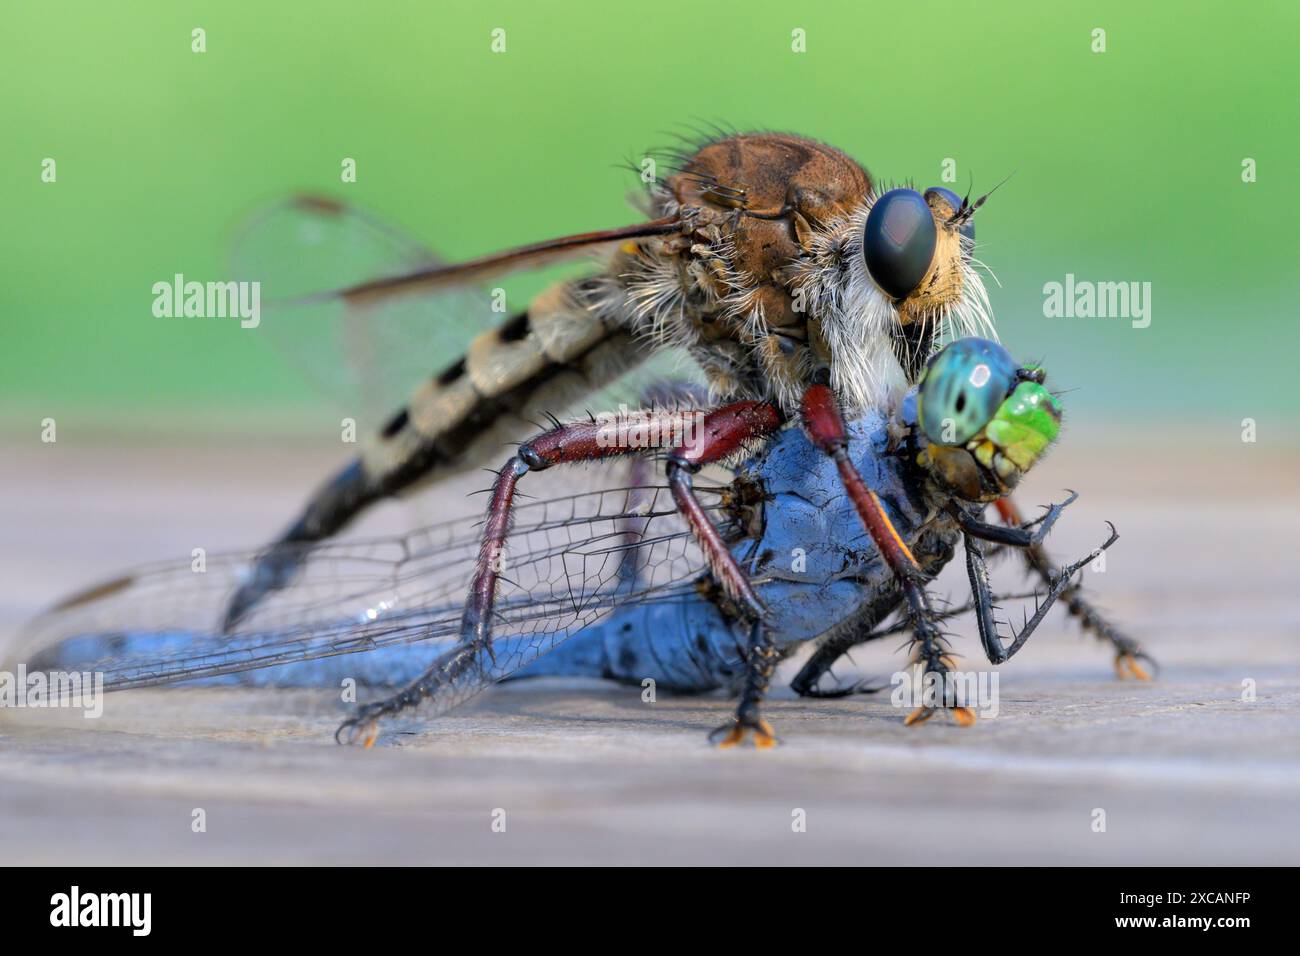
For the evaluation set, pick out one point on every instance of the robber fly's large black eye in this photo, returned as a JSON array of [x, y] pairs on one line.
[[967, 228], [898, 242]]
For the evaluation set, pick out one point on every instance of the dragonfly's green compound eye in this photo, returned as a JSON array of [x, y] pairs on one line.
[[962, 388], [898, 242]]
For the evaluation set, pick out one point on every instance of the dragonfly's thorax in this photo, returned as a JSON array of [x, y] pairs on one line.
[[801, 527], [767, 285]]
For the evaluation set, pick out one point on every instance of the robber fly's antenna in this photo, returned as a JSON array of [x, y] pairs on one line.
[[968, 208]]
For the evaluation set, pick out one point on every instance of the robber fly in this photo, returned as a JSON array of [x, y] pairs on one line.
[[803, 293], [770, 259], [613, 583]]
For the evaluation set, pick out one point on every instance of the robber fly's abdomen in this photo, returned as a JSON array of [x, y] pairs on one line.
[[569, 342]]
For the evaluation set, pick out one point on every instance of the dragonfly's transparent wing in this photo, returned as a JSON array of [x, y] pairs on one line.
[[569, 561], [364, 355]]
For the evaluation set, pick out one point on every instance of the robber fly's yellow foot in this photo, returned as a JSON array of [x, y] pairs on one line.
[[736, 730], [962, 716], [918, 716], [1129, 664]]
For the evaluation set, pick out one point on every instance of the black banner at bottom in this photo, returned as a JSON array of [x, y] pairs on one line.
[[333, 905]]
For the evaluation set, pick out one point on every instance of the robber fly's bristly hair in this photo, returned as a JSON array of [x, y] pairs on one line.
[[688, 140], [678, 159], [629, 164], [976, 263], [857, 318], [972, 314], [670, 159], [697, 133]]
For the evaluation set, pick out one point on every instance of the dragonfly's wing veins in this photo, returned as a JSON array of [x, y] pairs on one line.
[[569, 561]]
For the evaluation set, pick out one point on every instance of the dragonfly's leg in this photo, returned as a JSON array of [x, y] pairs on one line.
[[995, 648], [825, 426], [633, 523], [1020, 535], [724, 433], [806, 682], [1129, 656], [591, 440]]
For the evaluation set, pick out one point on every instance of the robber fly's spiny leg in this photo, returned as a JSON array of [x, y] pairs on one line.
[[1129, 656], [724, 433], [760, 665], [576, 442], [825, 426], [665, 394]]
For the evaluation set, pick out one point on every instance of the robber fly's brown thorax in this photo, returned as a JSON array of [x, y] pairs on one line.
[[753, 202], [760, 197]]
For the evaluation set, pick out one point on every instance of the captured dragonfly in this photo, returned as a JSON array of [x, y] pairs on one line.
[[615, 583]]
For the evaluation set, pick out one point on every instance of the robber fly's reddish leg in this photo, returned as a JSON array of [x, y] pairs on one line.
[[666, 394], [724, 432], [825, 426], [1129, 655]]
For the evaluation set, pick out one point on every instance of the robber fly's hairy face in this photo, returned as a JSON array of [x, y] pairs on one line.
[[900, 271], [914, 245], [917, 250], [984, 418]]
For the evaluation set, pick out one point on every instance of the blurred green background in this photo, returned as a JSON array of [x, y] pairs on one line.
[[1128, 167]]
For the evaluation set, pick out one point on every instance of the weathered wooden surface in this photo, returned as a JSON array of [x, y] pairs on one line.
[[1186, 770]]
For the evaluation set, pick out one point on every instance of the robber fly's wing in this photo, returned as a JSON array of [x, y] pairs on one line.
[[365, 311], [364, 357], [568, 562]]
